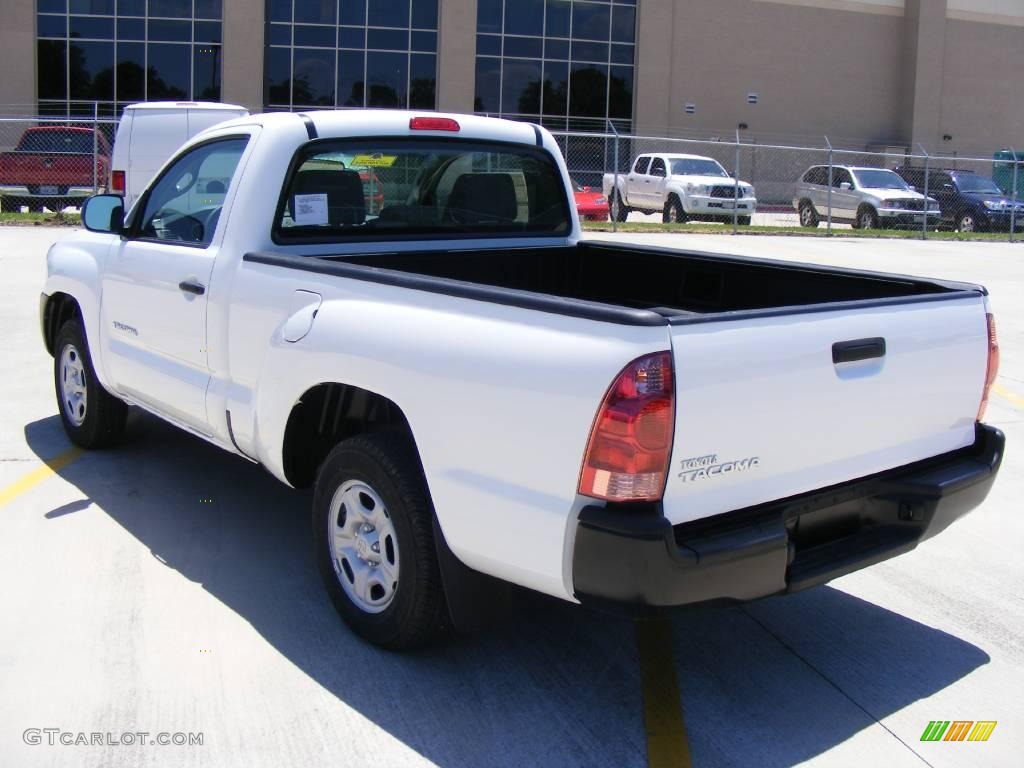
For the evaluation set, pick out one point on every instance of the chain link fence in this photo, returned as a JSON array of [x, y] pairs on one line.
[[53, 163], [808, 188]]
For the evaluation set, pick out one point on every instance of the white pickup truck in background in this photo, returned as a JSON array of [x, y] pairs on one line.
[[473, 390], [681, 188]]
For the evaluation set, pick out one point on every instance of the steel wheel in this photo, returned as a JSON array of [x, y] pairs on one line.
[[364, 548], [73, 390], [967, 223], [867, 219]]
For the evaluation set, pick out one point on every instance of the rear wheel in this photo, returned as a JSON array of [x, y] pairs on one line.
[[867, 218], [618, 210], [673, 212], [808, 216], [374, 543], [92, 417]]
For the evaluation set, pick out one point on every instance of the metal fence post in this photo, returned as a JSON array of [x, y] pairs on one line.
[[828, 229], [924, 217], [615, 184], [1013, 197], [736, 186], [95, 145]]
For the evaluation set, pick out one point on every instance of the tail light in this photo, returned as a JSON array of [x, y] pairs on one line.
[[117, 181], [992, 368], [433, 124], [631, 440]]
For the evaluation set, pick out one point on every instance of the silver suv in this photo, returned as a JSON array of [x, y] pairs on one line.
[[867, 198]]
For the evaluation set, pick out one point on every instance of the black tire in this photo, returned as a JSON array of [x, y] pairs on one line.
[[7, 205], [618, 211], [743, 221], [867, 218], [35, 207], [387, 464], [673, 212], [968, 221], [808, 215], [101, 416]]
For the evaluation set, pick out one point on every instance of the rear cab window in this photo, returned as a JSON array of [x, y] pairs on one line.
[[352, 189]]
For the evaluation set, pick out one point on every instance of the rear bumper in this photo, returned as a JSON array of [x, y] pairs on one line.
[[633, 555]]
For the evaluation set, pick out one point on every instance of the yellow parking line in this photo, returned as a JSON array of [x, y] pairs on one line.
[[36, 476], [1003, 392], [667, 745]]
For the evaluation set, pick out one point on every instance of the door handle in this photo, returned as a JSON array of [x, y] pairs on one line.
[[858, 349], [188, 286]]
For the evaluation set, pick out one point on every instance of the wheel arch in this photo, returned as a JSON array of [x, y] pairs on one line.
[[58, 309], [327, 413]]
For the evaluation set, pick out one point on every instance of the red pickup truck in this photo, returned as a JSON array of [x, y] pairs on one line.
[[53, 166]]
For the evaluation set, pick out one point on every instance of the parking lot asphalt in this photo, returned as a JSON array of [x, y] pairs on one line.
[[165, 586]]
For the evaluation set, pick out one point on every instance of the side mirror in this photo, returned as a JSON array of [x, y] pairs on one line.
[[947, 187], [845, 185], [586, 188], [104, 213]]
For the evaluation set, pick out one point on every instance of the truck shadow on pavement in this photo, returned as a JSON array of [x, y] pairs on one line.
[[549, 684]]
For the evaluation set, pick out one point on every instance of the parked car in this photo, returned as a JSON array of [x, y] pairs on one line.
[[969, 202], [148, 134], [1007, 167], [53, 166], [682, 188], [472, 388], [867, 198], [590, 204]]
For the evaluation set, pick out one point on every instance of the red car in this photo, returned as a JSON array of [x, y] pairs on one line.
[[592, 206], [53, 166]]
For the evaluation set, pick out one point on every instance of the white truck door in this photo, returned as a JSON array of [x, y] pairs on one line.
[[656, 180], [154, 287], [636, 181]]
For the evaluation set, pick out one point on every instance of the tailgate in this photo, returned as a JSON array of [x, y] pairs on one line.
[[52, 168], [763, 412]]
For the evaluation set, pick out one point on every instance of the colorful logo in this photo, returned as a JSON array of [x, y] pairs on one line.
[[958, 730]]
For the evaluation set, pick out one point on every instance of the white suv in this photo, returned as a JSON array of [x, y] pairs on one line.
[[867, 198]]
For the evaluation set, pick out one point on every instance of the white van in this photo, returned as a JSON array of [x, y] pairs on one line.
[[150, 132]]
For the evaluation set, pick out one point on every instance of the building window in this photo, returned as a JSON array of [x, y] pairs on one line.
[[115, 52], [567, 64], [351, 53]]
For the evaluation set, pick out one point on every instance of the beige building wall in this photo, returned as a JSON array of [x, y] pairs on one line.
[[456, 55], [242, 54], [817, 70], [18, 43], [982, 106]]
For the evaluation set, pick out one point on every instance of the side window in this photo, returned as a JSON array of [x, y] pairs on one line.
[[816, 175], [184, 205], [936, 180], [841, 176], [641, 165], [657, 167]]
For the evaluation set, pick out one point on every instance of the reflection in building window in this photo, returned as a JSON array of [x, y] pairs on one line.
[[567, 64], [353, 53], [113, 54]]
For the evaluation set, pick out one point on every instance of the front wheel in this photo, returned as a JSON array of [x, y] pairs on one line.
[[967, 223], [92, 417], [673, 212], [867, 218], [374, 544]]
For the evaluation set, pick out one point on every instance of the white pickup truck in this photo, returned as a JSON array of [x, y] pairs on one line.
[[681, 188], [473, 390]]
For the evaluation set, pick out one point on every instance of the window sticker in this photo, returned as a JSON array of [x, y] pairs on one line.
[[376, 160], [310, 210]]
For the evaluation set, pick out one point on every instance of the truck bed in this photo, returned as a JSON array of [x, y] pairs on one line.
[[678, 286]]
